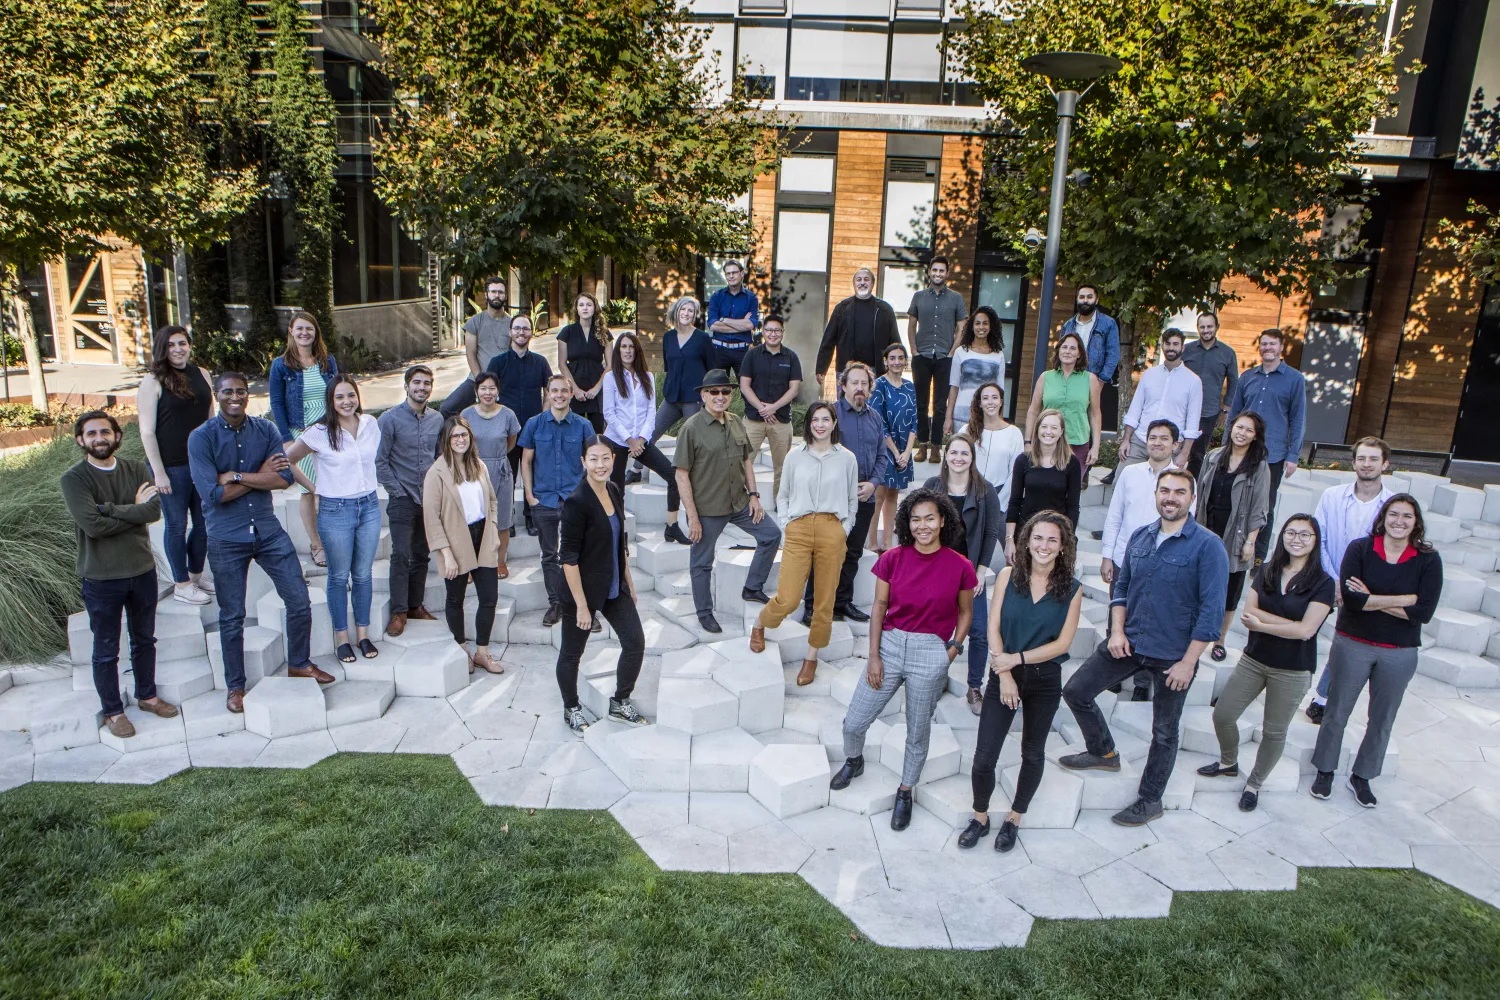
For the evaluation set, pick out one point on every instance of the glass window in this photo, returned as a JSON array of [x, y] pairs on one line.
[[916, 67], [959, 89], [840, 8], [801, 241], [898, 284], [837, 62], [762, 60], [1002, 291], [908, 214], [807, 173], [718, 52]]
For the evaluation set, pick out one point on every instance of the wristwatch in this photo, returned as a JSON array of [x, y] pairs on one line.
[[755, 494], [956, 645], [238, 477]]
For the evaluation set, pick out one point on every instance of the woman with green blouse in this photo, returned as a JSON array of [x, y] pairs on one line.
[[1069, 388]]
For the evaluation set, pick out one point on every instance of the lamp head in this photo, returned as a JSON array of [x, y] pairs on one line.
[[1069, 66]]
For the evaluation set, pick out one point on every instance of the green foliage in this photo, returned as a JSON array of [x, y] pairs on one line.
[[1218, 150], [1476, 240], [619, 312], [17, 416], [354, 356], [11, 350], [548, 133]]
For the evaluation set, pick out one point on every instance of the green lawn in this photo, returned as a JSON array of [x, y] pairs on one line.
[[384, 876]]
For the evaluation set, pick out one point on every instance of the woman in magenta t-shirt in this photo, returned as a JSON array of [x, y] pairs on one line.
[[924, 600]]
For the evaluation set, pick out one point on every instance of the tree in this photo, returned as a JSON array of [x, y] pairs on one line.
[[1476, 240], [1219, 149], [543, 134], [98, 135]]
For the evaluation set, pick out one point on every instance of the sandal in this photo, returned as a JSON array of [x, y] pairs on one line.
[[502, 571], [1218, 654], [319, 557], [346, 653], [368, 649]]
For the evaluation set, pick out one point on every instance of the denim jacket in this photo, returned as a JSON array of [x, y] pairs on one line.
[[1103, 346], [1172, 593], [286, 394]]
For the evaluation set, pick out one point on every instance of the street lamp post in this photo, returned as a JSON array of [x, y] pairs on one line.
[[1052, 66]]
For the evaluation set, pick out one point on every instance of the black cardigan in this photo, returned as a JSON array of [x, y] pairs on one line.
[[1421, 575], [586, 538], [984, 521], [1035, 488]]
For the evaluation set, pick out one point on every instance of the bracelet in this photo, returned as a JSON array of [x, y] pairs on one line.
[[1022, 655]]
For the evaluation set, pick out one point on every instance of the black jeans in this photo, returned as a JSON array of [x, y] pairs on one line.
[[622, 616], [409, 554], [1040, 685], [1263, 540], [653, 459], [515, 475], [548, 521], [105, 600], [731, 359], [856, 548], [1200, 445], [931, 377], [1099, 672], [486, 585], [461, 398]]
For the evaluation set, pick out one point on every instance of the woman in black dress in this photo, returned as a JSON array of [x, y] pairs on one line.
[[1047, 476], [581, 349]]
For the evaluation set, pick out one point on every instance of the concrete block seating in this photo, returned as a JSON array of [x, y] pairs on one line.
[[1462, 502], [265, 652], [942, 751], [431, 669], [271, 613], [720, 761], [178, 637], [695, 706], [69, 719], [285, 706], [348, 702], [789, 779], [152, 732]]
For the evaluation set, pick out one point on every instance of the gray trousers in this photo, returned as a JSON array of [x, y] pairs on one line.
[[1137, 451], [920, 661], [668, 414], [1284, 690], [701, 563], [1352, 664]]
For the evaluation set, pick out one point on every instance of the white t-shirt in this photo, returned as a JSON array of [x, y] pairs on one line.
[[997, 458], [349, 470], [472, 495], [970, 371], [1359, 517]]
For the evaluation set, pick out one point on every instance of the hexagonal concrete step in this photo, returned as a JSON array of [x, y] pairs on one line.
[[720, 761], [663, 636], [674, 583], [419, 632], [1201, 690], [285, 706], [731, 567], [660, 557], [431, 670], [264, 654], [1463, 502], [695, 705], [179, 680], [1057, 801], [1199, 735], [872, 792], [271, 613], [207, 715], [842, 691], [650, 759], [151, 732], [63, 720], [1462, 590], [1461, 630], [178, 637], [357, 701], [950, 799], [942, 752], [790, 779], [756, 682], [1460, 669], [525, 585]]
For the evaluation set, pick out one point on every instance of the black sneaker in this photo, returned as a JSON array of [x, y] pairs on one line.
[[853, 768], [531, 528], [674, 533], [1140, 694], [1138, 813], [576, 721], [806, 618], [709, 623], [633, 476], [1113, 689], [1217, 770], [1361, 789], [1315, 713], [901, 812], [1090, 762], [754, 596], [553, 616], [849, 612], [1006, 838], [1322, 785], [1248, 800], [973, 833], [1108, 480], [594, 626], [624, 711]]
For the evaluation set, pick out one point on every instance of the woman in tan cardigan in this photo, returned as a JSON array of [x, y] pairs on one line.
[[458, 510]]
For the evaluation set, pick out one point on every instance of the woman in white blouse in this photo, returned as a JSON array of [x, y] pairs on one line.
[[343, 442], [629, 419], [817, 502], [999, 441]]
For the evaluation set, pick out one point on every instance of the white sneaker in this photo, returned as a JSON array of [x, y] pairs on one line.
[[204, 584], [190, 594]]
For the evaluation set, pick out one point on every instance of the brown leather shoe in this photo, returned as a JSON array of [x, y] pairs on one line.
[[808, 673], [158, 707], [419, 613], [397, 624], [920, 455], [311, 670], [235, 702], [119, 726], [757, 640]]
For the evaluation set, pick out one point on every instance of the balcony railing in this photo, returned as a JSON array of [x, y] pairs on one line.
[[358, 121]]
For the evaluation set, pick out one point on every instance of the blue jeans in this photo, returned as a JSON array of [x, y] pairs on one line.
[[979, 644], [104, 600], [185, 550], [231, 565], [350, 530]]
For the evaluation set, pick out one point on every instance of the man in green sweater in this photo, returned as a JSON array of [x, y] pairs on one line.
[[112, 500]]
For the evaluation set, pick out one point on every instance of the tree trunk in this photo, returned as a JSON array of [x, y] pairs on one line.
[[1126, 370], [26, 333]]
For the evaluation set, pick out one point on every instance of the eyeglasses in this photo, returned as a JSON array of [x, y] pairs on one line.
[[719, 392], [1298, 536]]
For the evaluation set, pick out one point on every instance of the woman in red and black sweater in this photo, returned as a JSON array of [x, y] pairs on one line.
[[1390, 582]]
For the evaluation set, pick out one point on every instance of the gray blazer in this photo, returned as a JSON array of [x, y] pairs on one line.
[[984, 522], [1249, 504]]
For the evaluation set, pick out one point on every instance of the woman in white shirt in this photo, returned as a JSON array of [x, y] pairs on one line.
[[998, 441], [344, 441], [818, 499], [978, 357], [629, 421]]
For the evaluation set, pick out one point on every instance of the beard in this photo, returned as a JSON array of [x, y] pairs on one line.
[[102, 450], [496, 303], [1085, 309]]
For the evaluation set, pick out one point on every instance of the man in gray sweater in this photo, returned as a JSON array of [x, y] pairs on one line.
[[112, 499]]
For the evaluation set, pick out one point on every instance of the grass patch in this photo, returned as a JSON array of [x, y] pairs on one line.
[[384, 876], [38, 583]]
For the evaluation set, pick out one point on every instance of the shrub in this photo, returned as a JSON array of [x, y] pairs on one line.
[[354, 357], [15, 416], [620, 312]]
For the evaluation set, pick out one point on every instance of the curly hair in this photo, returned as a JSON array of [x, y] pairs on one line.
[[952, 520], [1060, 580]]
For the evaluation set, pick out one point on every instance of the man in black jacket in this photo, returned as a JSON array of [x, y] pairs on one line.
[[860, 329]]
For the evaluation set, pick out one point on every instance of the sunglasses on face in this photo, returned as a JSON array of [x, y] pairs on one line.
[[719, 392]]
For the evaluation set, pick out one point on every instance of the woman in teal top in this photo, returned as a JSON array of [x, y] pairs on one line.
[[1068, 387], [298, 386]]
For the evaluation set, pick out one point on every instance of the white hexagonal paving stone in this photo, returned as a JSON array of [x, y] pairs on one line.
[[720, 761], [1199, 735], [841, 873], [431, 670], [650, 759], [374, 736], [64, 720], [789, 779], [770, 848], [687, 849], [1057, 801], [208, 715], [285, 706], [596, 788], [641, 813], [148, 766], [301, 751], [942, 751], [265, 653], [1121, 890], [520, 787], [695, 706], [151, 732], [895, 920], [950, 799], [873, 792], [1461, 868], [663, 636], [1113, 790], [1458, 668], [179, 680], [348, 702], [233, 749], [525, 586], [1044, 892], [84, 763], [1250, 866]]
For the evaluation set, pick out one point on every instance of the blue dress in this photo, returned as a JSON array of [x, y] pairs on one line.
[[898, 407]]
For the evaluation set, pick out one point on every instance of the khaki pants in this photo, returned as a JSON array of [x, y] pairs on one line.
[[812, 541], [780, 436]]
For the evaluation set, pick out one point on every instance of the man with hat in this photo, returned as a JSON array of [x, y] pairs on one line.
[[716, 477]]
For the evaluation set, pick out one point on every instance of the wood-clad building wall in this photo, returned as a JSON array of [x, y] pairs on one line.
[[100, 311], [957, 217], [858, 194]]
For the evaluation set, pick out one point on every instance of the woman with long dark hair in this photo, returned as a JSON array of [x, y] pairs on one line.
[[174, 399], [582, 347], [997, 441], [1068, 388], [1288, 602], [630, 419], [982, 523], [298, 386], [1046, 476], [1390, 582], [924, 600], [595, 557], [343, 443], [978, 357], [895, 399], [495, 427], [1234, 502], [1037, 602], [458, 511]]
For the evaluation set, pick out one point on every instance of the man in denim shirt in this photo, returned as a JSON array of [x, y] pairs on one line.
[[551, 446], [1098, 331], [237, 461], [1166, 608]]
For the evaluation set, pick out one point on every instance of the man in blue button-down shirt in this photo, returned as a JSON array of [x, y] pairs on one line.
[[237, 461], [551, 446], [733, 317], [1278, 392], [1166, 607]]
